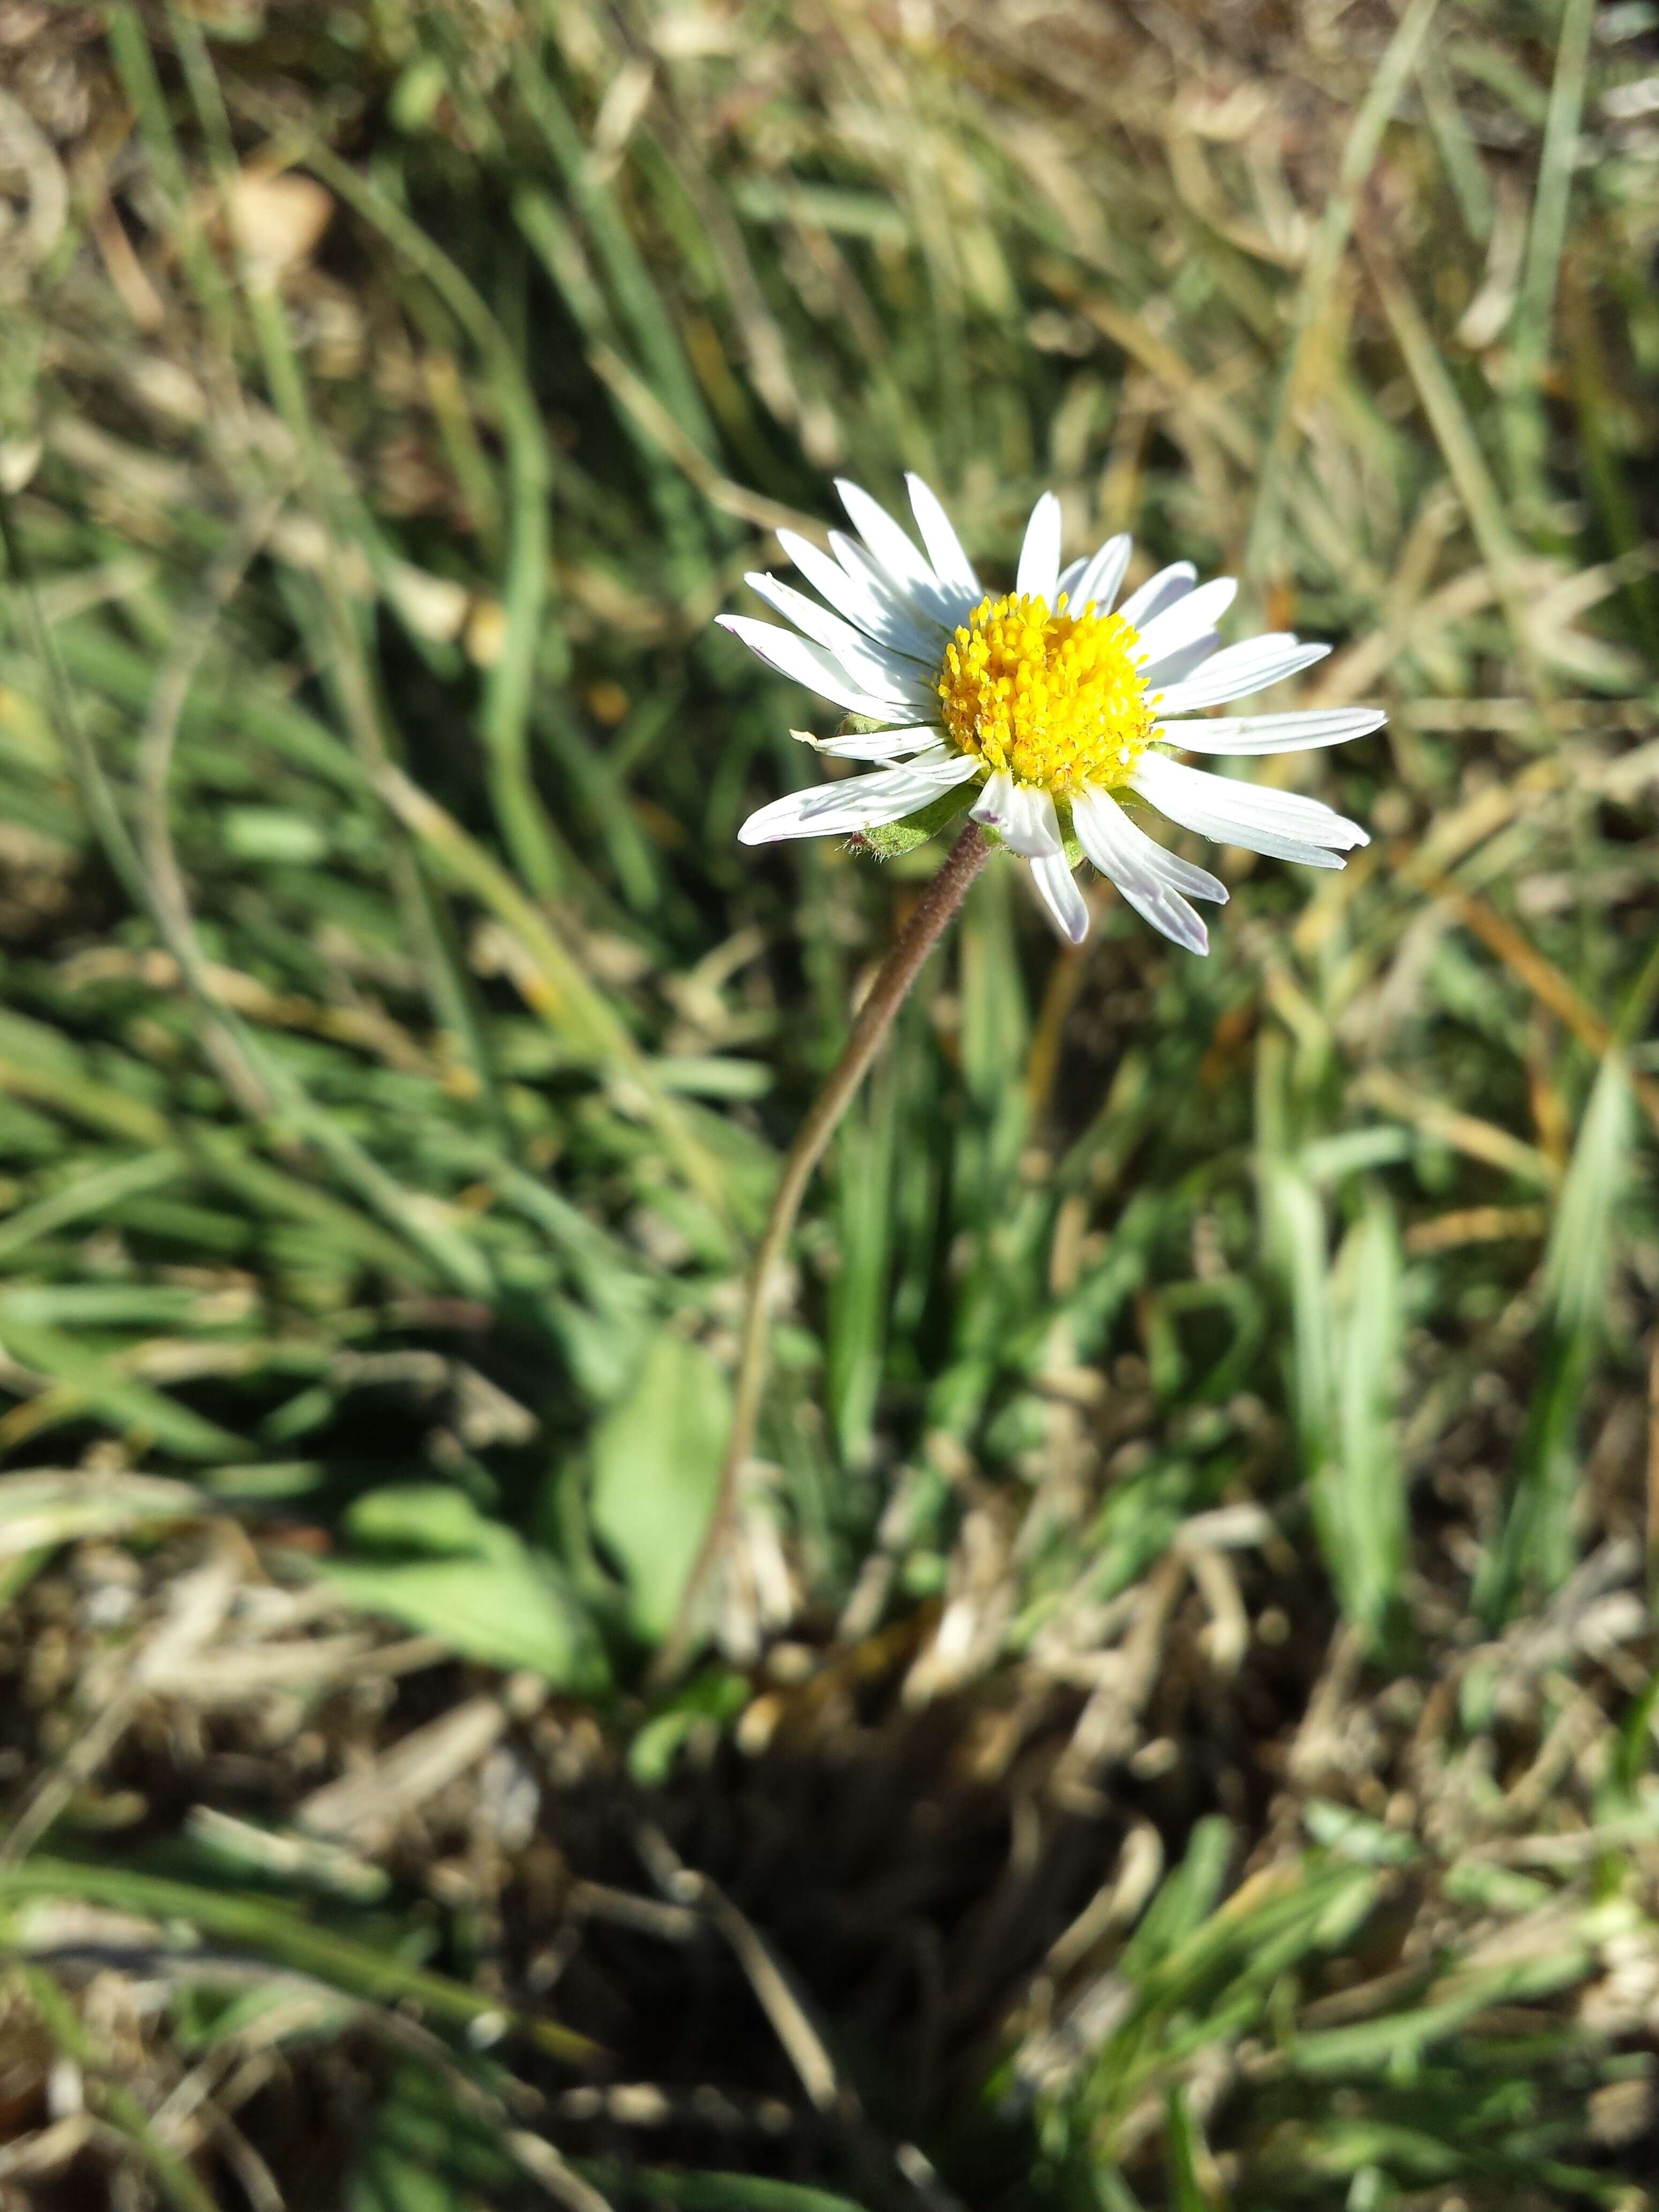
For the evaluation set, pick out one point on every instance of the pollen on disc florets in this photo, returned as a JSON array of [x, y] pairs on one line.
[[1055, 698]]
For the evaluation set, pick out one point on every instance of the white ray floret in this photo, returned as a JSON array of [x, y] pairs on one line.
[[1047, 709], [1247, 814], [877, 668], [1161, 677], [1039, 557], [891, 550], [950, 564], [1023, 815], [1097, 579], [820, 671], [864, 802], [1238, 669], [1297, 733], [877, 613], [1154, 882], [1157, 593], [1056, 885], [1184, 620], [875, 744]]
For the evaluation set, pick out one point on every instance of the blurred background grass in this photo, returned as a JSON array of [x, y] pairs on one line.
[[1180, 1729]]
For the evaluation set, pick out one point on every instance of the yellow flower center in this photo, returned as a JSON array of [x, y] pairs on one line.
[[1055, 698]]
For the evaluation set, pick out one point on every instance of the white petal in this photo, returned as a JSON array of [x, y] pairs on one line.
[[1039, 557], [879, 614], [1096, 814], [1056, 886], [950, 564], [1187, 618], [892, 550], [1097, 580], [1238, 669], [1157, 593], [874, 744], [1022, 816], [821, 672], [1245, 814], [1292, 811], [1186, 661], [862, 802], [877, 667], [1294, 733], [1114, 841], [1151, 879], [862, 565]]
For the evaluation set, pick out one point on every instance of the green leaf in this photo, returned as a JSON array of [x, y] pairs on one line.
[[712, 2192], [708, 1703], [1587, 1232], [274, 833], [1365, 1490], [421, 2152], [275, 1929], [1181, 2148], [1540, 1539], [656, 1474], [473, 1582], [1346, 1336], [421, 1516]]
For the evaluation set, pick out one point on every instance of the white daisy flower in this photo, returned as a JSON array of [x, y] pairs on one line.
[[1053, 703]]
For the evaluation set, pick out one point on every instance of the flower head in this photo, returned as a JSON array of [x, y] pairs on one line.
[[1047, 708]]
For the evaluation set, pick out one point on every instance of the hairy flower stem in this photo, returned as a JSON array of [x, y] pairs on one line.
[[886, 995]]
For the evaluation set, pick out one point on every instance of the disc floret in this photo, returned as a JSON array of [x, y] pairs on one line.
[[1053, 698]]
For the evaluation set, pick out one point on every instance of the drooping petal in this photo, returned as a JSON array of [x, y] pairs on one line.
[[881, 614], [875, 744], [1151, 879], [1185, 618], [950, 564], [1283, 824], [877, 668], [1093, 805], [1039, 557], [1022, 815], [862, 802], [892, 549], [1297, 732], [1097, 579], [1157, 593], [1238, 669], [811, 665], [1057, 888]]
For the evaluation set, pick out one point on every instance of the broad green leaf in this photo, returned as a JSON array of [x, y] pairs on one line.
[[474, 1582], [421, 1516], [505, 1612], [656, 1471]]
